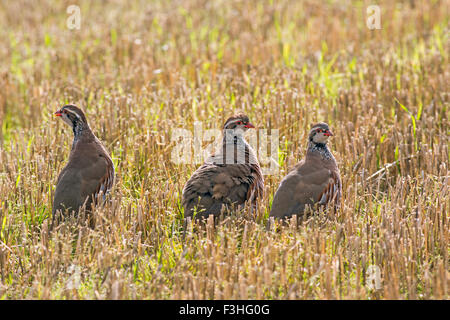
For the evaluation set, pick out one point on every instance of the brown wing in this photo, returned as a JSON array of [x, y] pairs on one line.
[[256, 189], [307, 184], [98, 177], [332, 192], [68, 190], [212, 186], [82, 180]]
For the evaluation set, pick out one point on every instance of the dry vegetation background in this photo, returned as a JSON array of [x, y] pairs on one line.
[[141, 69]]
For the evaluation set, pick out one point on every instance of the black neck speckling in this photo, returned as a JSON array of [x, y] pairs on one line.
[[77, 127], [320, 148]]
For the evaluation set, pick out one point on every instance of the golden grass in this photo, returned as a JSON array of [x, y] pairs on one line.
[[142, 69]]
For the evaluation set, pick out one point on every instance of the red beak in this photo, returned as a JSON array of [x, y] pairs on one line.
[[328, 133], [58, 113], [249, 125]]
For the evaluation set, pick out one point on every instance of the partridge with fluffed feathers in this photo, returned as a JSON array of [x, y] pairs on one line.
[[314, 180], [228, 178], [89, 171]]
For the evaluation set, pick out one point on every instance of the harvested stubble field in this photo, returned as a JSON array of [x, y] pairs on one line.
[[142, 69]]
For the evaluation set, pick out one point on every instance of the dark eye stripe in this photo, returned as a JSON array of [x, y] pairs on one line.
[[72, 113]]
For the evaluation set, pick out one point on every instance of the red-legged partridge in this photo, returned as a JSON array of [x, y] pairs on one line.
[[89, 171], [228, 178], [315, 180]]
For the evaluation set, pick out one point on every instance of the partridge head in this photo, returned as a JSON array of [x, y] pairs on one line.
[[238, 122], [320, 133], [72, 115]]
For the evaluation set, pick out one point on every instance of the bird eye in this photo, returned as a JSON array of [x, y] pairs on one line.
[[319, 130], [239, 122]]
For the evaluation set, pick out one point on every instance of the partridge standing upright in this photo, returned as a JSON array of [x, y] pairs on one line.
[[89, 171], [228, 178], [315, 179]]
